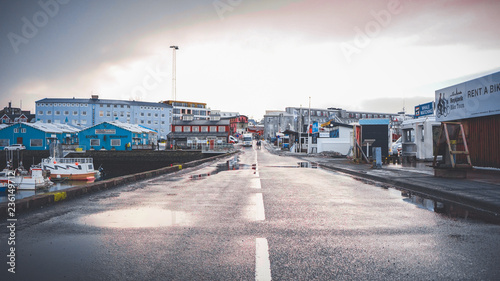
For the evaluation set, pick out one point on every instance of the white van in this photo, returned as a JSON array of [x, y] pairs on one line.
[[247, 140]]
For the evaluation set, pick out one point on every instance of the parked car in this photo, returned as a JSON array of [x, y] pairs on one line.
[[233, 139], [16, 146]]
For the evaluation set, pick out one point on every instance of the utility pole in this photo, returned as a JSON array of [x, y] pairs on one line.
[[174, 97], [308, 125], [174, 94], [300, 129]]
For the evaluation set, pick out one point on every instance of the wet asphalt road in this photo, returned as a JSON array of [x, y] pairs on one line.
[[276, 221]]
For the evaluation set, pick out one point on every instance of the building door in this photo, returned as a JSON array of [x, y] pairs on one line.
[[19, 140]]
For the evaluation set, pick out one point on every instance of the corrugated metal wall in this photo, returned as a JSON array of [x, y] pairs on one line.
[[483, 139]]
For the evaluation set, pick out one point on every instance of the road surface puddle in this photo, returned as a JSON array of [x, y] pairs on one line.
[[230, 165], [312, 165], [137, 218]]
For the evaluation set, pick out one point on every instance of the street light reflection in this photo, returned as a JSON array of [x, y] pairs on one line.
[[137, 218]]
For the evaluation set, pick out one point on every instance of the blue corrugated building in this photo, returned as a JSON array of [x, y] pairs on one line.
[[37, 136], [116, 135]]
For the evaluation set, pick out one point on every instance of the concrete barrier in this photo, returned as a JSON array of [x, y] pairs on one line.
[[40, 200]]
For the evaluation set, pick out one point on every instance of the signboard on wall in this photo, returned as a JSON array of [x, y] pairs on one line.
[[105, 131], [474, 98], [315, 127], [424, 109]]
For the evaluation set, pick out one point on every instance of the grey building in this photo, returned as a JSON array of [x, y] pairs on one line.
[[277, 122]]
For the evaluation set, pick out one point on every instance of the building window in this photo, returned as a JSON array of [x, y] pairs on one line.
[[100, 105], [204, 128], [178, 128], [187, 128], [66, 112], [222, 128], [101, 113], [122, 113], [163, 122], [16, 130], [142, 121], [149, 121], [4, 142], [156, 114], [163, 115], [57, 112], [115, 142], [115, 105], [40, 112], [84, 122], [75, 112], [49, 121], [115, 114], [84, 113], [156, 122], [36, 142], [23, 130], [196, 129], [213, 128], [149, 114], [108, 114], [142, 113], [95, 142]]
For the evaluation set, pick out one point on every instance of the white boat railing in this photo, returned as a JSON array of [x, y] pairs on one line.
[[67, 160]]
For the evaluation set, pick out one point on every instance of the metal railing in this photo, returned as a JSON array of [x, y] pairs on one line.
[[217, 148], [67, 160]]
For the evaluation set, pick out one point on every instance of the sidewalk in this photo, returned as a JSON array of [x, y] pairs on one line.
[[480, 192]]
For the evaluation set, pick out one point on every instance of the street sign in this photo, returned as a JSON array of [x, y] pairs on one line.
[[424, 109]]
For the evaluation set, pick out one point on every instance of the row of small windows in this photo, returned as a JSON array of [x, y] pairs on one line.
[[366, 115], [57, 112], [115, 105], [185, 104], [101, 113], [199, 128], [100, 105], [64, 104], [115, 114], [190, 111], [152, 107], [151, 122]]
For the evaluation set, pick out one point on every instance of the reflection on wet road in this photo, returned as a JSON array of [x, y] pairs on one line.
[[136, 218]]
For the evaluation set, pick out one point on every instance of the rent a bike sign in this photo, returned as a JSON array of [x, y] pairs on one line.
[[474, 98]]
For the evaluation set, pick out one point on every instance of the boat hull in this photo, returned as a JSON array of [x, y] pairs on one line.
[[73, 177], [29, 183]]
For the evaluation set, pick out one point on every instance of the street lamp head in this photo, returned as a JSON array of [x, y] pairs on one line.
[[175, 47]]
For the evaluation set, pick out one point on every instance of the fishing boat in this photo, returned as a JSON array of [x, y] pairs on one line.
[[36, 178], [6, 178], [69, 168]]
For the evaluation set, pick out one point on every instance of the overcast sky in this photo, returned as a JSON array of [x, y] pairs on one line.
[[246, 55]]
